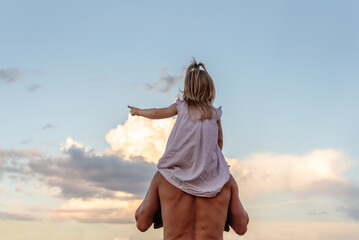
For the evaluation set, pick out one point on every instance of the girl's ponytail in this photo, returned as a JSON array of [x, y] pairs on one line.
[[199, 90]]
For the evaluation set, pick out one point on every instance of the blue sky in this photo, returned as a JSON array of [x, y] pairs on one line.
[[285, 72]]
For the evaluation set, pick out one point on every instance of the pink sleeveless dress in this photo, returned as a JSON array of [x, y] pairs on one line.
[[193, 161]]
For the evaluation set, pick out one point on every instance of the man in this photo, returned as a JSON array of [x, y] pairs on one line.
[[189, 217]]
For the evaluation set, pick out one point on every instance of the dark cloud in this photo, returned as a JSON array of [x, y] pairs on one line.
[[346, 191], [16, 154], [350, 198], [333, 187], [47, 126], [34, 87], [12, 160], [26, 141], [317, 213], [166, 81], [16, 216], [79, 172], [353, 212], [107, 215], [9, 75]]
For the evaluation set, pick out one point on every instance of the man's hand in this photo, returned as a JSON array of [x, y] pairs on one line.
[[226, 226], [150, 208], [237, 217]]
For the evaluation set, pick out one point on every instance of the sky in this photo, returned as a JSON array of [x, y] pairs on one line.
[[75, 165]]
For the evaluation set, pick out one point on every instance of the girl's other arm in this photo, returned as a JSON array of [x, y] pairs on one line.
[[220, 134], [155, 113]]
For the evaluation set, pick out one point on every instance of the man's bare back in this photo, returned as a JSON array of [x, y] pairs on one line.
[[189, 217]]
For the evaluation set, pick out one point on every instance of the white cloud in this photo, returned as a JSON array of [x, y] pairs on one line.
[[281, 204], [37, 188], [16, 206], [71, 143], [299, 231], [256, 174], [140, 136], [314, 173], [112, 181], [104, 210]]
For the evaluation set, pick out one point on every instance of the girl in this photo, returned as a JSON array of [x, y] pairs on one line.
[[193, 159]]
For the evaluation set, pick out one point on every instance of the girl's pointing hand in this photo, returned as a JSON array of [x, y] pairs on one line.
[[134, 111]]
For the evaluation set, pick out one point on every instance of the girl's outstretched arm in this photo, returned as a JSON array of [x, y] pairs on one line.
[[155, 113]]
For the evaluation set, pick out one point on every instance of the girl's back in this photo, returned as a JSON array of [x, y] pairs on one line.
[[193, 161]]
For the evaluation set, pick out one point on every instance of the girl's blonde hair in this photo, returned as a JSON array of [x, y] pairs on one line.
[[199, 91]]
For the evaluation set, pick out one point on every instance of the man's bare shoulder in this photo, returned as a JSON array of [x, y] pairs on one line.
[[157, 178], [232, 184], [166, 190]]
